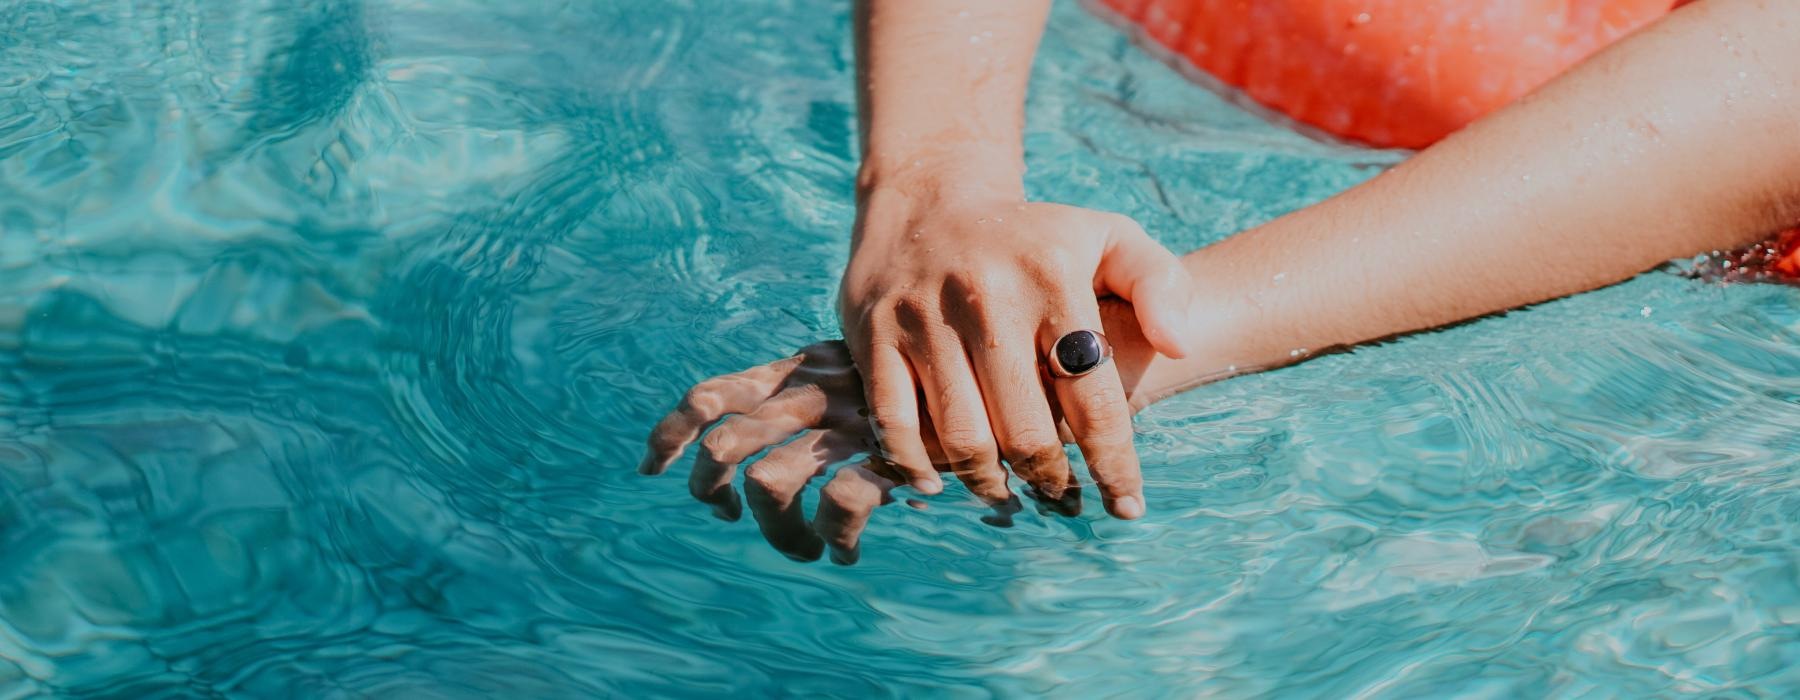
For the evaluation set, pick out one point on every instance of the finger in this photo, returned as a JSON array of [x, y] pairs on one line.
[[894, 412], [1019, 411], [739, 436], [773, 487], [1143, 272], [1100, 419], [709, 401], [957, 410], [844, 507]]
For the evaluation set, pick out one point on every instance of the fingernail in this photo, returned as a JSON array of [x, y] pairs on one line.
[[929, 487], [1128, 508]]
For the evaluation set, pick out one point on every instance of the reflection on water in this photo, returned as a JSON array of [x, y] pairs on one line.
[[330, 331]]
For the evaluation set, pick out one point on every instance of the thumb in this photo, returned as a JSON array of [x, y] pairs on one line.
[[1141, 271]]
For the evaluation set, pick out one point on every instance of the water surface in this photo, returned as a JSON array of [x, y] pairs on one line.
[[330, 333]]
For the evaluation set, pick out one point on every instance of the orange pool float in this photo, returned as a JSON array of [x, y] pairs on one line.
[[1397, 73], [1387, 72]]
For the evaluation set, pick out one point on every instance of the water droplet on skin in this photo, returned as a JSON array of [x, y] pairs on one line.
[[1361, 19], [1279, 276], [1526, 178]]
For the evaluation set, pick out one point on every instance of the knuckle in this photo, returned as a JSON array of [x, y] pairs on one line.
[[912, 308], [703, 399], [846, 491], [862, 320], [889, 420], [720, 444], [965, 443], [973, 282], [759, 477], [1050, 267], [1120, 223], [1105, 409], [1032, 446]]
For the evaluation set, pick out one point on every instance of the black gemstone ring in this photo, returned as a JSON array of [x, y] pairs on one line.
[[1079, 353]]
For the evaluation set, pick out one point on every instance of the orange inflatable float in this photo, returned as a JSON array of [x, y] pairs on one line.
[[1386, 72], [1401, 73]]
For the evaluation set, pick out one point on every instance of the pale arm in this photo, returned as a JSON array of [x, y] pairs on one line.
[[1682, 139]]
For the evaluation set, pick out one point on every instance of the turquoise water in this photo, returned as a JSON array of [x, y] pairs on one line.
[[330, 333]]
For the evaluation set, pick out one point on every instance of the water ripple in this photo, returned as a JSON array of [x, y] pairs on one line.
[[329, 333]]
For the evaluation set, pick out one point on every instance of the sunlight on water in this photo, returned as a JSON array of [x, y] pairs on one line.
[[330, 333]]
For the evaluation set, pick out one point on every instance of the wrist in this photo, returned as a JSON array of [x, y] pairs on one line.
[[944, 172]]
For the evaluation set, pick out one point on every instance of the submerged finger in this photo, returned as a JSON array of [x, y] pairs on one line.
[[844, 507], [708, 402], [740, 436], [773, 487]]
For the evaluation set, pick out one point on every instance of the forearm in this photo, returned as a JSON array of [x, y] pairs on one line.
[[1679, 140], [942, 93]]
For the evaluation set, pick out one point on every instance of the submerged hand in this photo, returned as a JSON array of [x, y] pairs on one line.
[[811, 405], [815, 395], [953, 303]]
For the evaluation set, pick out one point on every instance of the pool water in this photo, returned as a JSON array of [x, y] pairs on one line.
[[330, 333]]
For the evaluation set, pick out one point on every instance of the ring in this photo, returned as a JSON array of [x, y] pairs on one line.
[[1078, 353]]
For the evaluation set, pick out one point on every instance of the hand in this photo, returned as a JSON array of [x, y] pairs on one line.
[[816, 399], [815, 395], [956, 299]]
